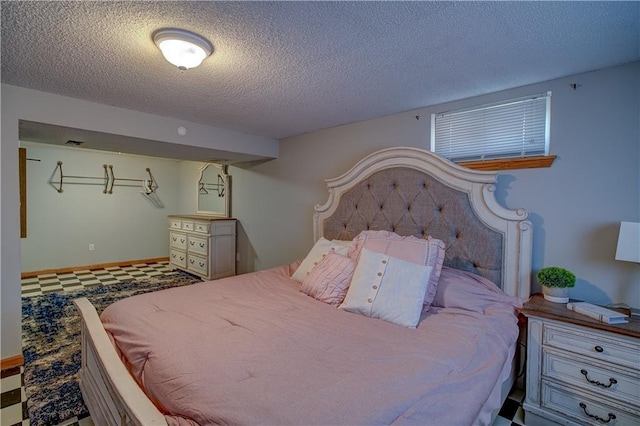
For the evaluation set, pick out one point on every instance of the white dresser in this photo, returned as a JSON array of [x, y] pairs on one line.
[[580, 371], [203, 245]]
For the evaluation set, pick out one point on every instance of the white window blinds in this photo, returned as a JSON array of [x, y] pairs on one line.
[[515, 128]]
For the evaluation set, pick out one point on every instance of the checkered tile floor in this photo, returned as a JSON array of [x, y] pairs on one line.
[[13, 408], [77, 280]]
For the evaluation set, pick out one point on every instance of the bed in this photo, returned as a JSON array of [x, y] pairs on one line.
[[352, 353]]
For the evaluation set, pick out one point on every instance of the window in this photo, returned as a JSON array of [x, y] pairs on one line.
[[518, 128]]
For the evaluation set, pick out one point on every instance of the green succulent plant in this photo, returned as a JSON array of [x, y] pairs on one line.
[[554, 276]]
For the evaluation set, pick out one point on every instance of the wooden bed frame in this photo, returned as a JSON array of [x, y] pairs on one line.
[[114, 398]]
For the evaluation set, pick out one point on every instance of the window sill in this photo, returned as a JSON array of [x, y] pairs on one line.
[[511, 163]]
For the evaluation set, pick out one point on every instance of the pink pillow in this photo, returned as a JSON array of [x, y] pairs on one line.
[[466, 290], [329, 280], [428, 252]]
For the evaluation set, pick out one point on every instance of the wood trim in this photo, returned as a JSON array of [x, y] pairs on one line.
[[22, 173], [511, 163], [537, 306], [11, 362], [90, 267]]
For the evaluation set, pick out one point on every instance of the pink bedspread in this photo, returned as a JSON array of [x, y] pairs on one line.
[[253, 349]]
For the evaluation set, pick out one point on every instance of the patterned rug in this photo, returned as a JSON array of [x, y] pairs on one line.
[[51, 344]]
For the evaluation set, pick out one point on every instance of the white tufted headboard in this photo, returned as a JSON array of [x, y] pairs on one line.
[[411, 191]]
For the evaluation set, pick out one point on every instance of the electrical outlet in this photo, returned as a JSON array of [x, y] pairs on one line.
[[92, 247]]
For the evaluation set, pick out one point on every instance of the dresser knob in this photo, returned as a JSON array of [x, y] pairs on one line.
[[599, 349], [593, 416]]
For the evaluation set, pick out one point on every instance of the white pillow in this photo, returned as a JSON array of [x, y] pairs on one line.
[[318, 251], [387, 288]]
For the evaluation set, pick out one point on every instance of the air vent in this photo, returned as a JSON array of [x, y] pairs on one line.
[[74, 143]]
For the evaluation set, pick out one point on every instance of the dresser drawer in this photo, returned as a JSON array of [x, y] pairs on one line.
[[177, 240], [197, 264], [201, 227], [176, 224], [178, 258], [599, 346], [616, 383], [198, 245], [187, 225], [586, 409]]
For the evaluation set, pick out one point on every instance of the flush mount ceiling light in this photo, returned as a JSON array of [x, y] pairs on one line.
[[182, 48]]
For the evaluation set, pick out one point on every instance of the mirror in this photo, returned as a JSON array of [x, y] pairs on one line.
[[214, 190]]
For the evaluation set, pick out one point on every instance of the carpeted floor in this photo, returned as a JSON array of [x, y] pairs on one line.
[[51, 344]]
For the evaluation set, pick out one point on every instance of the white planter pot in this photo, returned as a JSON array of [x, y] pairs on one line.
[[556, 294]]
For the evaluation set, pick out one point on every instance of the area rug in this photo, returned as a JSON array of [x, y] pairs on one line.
[[51, 344]]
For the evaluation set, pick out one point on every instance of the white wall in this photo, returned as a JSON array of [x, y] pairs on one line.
[[124, 225], [25, 104], [575, 206]]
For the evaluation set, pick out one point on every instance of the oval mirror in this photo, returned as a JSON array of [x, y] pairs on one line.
[[214, 190]]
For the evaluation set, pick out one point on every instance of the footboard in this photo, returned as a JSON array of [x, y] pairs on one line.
[[109, 391]]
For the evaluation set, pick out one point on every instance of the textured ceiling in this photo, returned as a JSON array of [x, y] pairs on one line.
[[281, 69]]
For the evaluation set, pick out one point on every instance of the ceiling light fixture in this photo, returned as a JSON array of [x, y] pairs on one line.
[[182, 48]]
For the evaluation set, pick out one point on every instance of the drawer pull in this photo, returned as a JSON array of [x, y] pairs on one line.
[[201, 245], [192, 242], [593, 416], [599, 349], [612, 381]]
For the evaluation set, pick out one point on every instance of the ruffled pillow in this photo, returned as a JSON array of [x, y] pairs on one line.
[[315, 255], [427, 252], [329, 280]]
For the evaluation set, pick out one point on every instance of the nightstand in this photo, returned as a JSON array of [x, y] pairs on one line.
[[580, 370]]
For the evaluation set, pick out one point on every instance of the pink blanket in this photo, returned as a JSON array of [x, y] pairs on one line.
[[253, 349]]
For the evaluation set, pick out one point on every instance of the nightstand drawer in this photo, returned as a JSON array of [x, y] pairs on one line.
[[586, 409], [178, 241], [618, 384], [176, 224], [599, 346], [187, 225]]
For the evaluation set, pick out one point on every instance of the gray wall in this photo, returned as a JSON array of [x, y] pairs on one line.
[[124, 225], [31, 105], [576, 205]]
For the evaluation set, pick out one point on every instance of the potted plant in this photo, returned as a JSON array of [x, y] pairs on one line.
[[555, 283]]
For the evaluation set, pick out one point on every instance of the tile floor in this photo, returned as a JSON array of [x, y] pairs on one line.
[[13, 408]]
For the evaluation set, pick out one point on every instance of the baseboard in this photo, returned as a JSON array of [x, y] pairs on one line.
[[90, 267], [11, 362]]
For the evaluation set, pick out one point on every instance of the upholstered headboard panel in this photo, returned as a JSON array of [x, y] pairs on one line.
[[410, 202], [414, 192]]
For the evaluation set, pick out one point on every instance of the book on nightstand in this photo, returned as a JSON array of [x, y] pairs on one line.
[[598, 312]]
